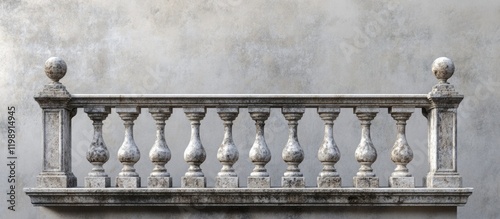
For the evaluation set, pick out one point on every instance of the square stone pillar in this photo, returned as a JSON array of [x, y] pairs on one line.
[[56, 171], [56, 139], [442, 121]]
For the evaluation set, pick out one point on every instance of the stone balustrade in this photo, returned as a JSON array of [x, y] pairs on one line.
[[56, 184]]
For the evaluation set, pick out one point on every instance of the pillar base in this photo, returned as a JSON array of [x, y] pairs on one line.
[[193, 182], [97, 182], [329, 182], [63, 180], [293, 182], [259, 182], [226, 182], [443, 181], [365, 182], [402, 182], [159, 182], [128, 182]]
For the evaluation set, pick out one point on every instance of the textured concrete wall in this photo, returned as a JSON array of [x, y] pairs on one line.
[[236, 46]]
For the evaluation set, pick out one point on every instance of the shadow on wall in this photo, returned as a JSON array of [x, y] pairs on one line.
[[256, 212]]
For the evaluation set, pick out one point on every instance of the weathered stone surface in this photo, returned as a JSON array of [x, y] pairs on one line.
[[293, 182], [55, 68], [226, 182], [227, 154], [250, 197], [255, 102], [292, 153], [53, 99], [97, 182], [259, 154], [401, 182], [160, 153], [329, 182], [401, 153], [328, 152], [438, 180], [57, 150], [193, 182], [128, 153], [443, 68], [56, 181], [98, 153], [365, 153], [442, 109], [128, 182], [258, 182], [442, 122], [195, 153], [159, 182], [289, 47], [365, 182]]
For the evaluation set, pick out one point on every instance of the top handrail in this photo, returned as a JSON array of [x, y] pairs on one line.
[[246, 100]]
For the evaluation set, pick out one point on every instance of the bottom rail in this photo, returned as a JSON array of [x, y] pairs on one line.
[[248, 197]]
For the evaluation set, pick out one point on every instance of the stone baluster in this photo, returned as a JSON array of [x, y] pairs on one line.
[[53, 99], [292, 153], [129, 153], [365, 152], [98, 153], [228, 153], [259, 154], [401, 153], [160, 153], [328, 152], [194, 154], [442, 120]]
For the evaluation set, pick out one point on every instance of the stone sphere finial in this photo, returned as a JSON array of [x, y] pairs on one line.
[[443, 69], [55, 68]]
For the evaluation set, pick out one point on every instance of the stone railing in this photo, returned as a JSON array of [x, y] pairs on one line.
[[56, 184]]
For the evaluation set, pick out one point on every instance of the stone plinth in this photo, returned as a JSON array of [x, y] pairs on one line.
[[443, 181], [128, 182], [193, 182], [329, 182], [365, 182], [259, 182], [401, 182], [226, 182], [97, 182], [159, 182], [293, 182], [56, 181]]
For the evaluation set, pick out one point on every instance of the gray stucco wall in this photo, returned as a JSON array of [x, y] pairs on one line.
[[236, 46]]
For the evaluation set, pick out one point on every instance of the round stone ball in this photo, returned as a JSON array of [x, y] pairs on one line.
[[55, 68], [443, 68]]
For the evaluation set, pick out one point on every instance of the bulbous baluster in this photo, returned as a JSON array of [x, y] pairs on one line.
[[328, 152], [160, 153], [365, 152], [259, 154], [292, 153], [98, 153], [194, 154], [228, 153], [129, 153], [401, 153]]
